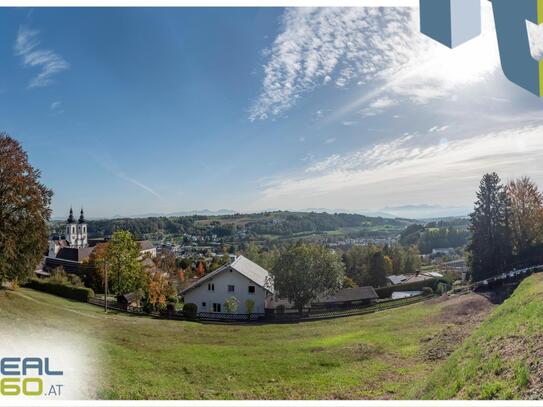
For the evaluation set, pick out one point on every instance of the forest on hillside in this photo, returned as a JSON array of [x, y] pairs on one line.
[[280, 223]]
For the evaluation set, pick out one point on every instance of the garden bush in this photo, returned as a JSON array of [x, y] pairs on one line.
[[427, 291], [62, 290], [190, 310]]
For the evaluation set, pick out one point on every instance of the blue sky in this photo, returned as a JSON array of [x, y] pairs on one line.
[[133, 111]]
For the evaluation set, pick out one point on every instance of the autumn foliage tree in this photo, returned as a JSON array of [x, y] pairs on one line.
[[24, 212], [159, 289], [200, 268], [526, 214], [97, 261]]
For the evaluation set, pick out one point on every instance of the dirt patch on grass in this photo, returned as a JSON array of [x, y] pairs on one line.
[[461, 313], [464, 309], [353, 352], [525, 372]]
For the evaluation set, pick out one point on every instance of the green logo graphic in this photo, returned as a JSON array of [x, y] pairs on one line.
[[25, 377]]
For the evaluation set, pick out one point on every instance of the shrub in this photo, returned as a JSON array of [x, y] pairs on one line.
[[427, 291], [442, 288], [172, 298], [75, 280], [148, 307], [190, 310], [170, 308], [58, 275], [249, 306], [231, 305], [62, 290]]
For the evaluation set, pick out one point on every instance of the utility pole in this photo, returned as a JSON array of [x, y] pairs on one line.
[[105, 284]]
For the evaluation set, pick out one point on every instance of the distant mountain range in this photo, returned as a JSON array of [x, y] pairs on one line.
[[422, 211]]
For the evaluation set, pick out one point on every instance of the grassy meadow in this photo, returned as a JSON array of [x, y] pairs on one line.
[[362, 357]]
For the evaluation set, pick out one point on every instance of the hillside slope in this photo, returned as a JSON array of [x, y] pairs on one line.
[[502, 359], [375, 356]]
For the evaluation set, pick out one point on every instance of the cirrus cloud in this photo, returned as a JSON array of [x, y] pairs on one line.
[[49, 62], [411, 165], [381, 49]]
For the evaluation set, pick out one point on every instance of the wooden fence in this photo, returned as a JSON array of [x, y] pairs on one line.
[[114, 305], [289, 315], [345, 312]]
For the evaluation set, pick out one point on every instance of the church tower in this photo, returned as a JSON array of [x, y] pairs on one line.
[[82, 240], [76, 232], [71, 230]]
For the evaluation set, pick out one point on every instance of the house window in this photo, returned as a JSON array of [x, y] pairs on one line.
[[216, 307], [211, 287], [231, 288], [251, 289], [203, 304]]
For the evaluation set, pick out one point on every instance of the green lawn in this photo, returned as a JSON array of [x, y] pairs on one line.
[[362, 357], [503, 358]]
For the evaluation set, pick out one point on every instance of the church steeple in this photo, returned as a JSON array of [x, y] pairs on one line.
[[82, 217], [71, 217]]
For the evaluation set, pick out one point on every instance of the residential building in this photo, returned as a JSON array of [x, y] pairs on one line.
[[242, 279]]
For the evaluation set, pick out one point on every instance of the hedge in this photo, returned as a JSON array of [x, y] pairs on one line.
[[386, 292], [62, 290]]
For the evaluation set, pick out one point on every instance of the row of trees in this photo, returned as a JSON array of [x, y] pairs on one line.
[[126, 272], [364, 265], [506, 226], [370, 265], [302, 272]]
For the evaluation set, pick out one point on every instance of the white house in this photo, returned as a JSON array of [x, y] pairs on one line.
[[242, 279], [146, 247]]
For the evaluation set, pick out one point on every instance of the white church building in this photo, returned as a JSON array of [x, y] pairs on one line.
[[72, 250], [75, 236]]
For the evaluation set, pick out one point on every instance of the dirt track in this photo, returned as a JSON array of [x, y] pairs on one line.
[[462, 313]]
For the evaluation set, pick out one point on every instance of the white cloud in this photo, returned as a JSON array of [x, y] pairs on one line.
[[383, 103], [438, 129], [330, 140], [366, 45], [49, 62], [56, 107], [410, 168], [378, 105], [322, 45]]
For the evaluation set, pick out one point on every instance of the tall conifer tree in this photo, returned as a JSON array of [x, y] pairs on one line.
[[490, 247]]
